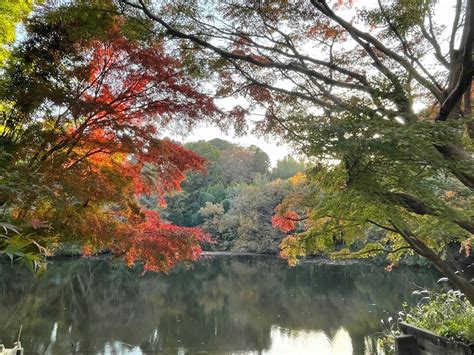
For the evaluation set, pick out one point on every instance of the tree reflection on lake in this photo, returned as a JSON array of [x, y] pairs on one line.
[[220, 305]]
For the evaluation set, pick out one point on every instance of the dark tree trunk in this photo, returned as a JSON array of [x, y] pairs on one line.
[[464, 285]]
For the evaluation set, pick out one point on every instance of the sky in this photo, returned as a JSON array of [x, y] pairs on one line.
[[269, 145]]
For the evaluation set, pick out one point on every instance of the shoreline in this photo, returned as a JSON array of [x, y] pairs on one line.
[[320, 260], [316, 259]]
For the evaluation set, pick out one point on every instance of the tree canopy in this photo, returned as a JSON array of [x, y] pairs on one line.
[[377, 97], [83, 103], [345, 84]]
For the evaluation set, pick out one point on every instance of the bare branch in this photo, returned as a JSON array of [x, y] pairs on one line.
[[361, 36], [431, 37], [455, 27]]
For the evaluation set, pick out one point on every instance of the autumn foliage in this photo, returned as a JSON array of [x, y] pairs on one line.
[[287, 222], [98, 148]]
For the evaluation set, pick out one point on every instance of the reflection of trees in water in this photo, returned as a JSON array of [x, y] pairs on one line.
[[219, 303]]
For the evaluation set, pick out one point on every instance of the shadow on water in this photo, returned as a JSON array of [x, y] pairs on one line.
[[220, 305]]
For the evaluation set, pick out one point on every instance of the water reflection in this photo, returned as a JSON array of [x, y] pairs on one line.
[[221, 305], [285, 341]]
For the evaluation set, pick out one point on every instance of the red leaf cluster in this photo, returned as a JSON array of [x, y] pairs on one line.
[[286, 222], [159, 245]]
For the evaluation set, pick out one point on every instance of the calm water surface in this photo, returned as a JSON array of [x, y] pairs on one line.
[[220, 305]]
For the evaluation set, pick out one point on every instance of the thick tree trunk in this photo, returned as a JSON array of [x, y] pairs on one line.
[[456, 66], [461, 283], [468, 110], [464, 285], [414, 205]]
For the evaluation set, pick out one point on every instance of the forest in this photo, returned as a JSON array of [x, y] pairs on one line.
[[235, 202], [374, 99]]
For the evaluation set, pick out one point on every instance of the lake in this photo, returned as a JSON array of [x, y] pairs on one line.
[[219, 305]]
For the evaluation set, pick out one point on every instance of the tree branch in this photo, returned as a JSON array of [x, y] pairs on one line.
[[465, 76], [360, 36]]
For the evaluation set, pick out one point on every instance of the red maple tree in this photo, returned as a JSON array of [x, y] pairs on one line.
[[103, 152]]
